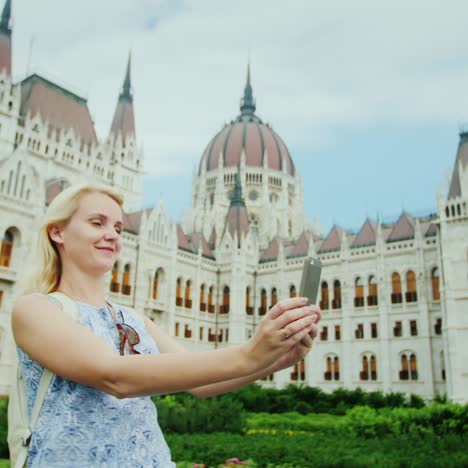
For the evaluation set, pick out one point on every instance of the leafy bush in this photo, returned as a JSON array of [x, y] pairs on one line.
[[415, 401], [188, 414], [438, 419]]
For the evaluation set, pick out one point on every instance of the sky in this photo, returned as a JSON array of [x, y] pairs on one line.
[[368, 96]]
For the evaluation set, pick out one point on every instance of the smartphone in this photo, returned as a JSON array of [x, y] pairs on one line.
[[310, 281]]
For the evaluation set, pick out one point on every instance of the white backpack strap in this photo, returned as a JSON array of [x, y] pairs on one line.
[[72, 308], [69, 305], [20, 435]]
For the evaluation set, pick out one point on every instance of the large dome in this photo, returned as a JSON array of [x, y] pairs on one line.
[[249, 134]]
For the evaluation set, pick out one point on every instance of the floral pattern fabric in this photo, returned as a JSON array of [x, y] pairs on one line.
[[80, 426]]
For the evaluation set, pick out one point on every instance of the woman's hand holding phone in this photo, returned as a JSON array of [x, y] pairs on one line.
[[280, 329]]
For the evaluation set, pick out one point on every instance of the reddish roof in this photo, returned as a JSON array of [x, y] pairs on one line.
[[462, 158], [301, 246], [60, 108], [333, 239], [366, 235], [271, 252], [182, 241], [195, 239], [431, 230], [132, 221], [53, 187], [251, 135], [402, 229], [191, 242]]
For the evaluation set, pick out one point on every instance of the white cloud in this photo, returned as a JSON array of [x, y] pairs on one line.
[[316, 65]]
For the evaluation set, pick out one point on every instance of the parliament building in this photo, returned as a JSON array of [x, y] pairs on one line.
[[394, 295]]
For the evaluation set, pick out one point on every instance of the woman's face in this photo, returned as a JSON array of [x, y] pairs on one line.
[[92, 238]]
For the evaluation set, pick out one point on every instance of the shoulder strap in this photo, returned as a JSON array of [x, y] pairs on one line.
[[73, 309]]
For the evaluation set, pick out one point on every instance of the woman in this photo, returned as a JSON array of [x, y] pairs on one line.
[[97, 409]]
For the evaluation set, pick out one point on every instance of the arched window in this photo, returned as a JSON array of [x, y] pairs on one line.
[[372, 299], [396, 289], [179, 299], [7, 248], [188, 294], [442, 365], [156, 280], [336, 368], [332, 371], [336, 303], [413, 367], [435, 280], [328, 373], [115, 285], [126, 288], [292, 291], [358, 293], [226, 299], [210, 300], [274, 297], [411, 294], [409, 366], [248, 307], [263, 302], [364, 375], [324, 304], [298, 373], [404, 368], [302, 373], [202, 299], [373, 368]]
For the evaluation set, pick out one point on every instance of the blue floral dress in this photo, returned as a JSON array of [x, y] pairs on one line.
[[80, 426]]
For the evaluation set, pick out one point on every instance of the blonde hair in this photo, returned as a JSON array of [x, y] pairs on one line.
[[46, 266]]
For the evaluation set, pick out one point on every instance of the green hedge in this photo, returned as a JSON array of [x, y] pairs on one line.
[[438, 419], [321, 449], [305, 399]]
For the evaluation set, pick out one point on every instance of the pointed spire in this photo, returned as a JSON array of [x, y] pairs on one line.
[[6, 16], [247, 106], [127, 85], [123, 122]]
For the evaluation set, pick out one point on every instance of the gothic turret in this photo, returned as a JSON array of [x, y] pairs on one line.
[[5, 39], [456, 188], [237, 219]]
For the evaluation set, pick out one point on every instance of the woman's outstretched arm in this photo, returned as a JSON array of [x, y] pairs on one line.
[[168, 344], [57, 342]]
